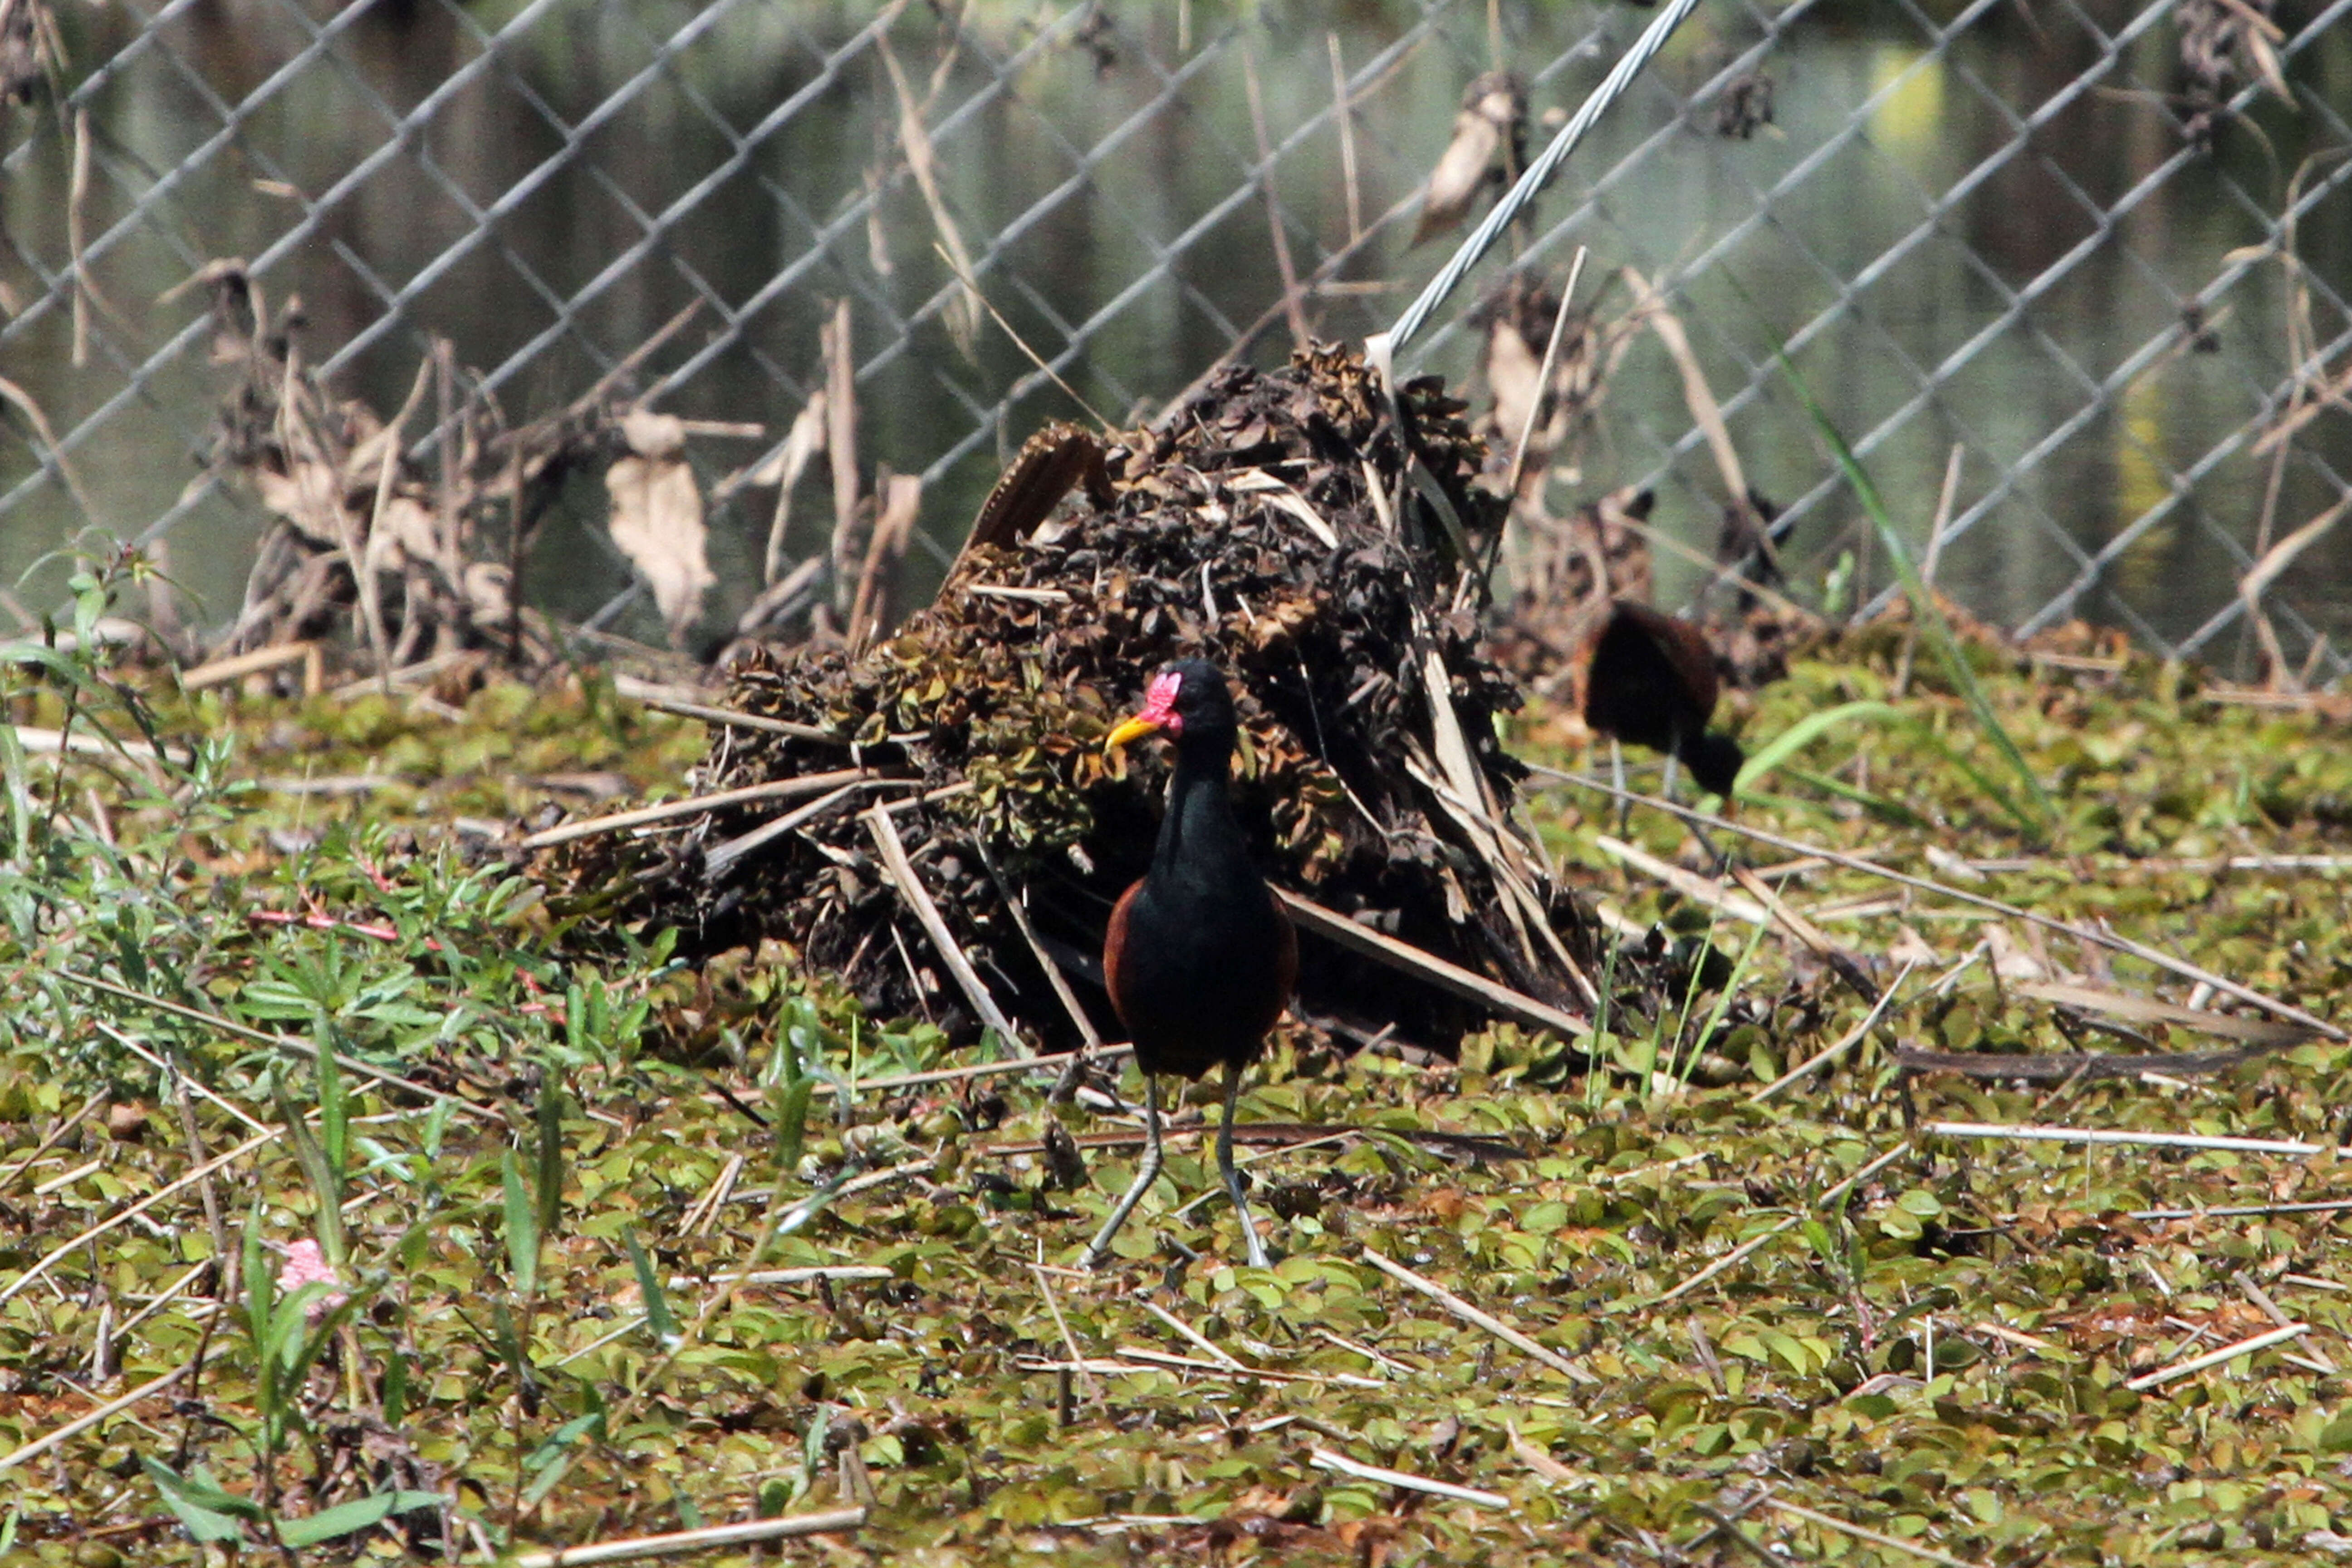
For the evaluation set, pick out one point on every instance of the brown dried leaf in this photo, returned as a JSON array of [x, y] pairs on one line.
[[784, 469], [1910, 947], [1492, 119], [1513, 368], [656, 436], [30, 50], [964, 312], [2011, 960], [490, 589], [658, 521], [405, 534], [311, 498], [1050, 463]]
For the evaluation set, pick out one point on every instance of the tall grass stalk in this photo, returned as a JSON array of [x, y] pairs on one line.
[[1776, 753], [1722, 1002], [1925, 612]]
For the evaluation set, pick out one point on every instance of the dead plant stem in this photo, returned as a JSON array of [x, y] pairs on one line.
[[2106, 939]]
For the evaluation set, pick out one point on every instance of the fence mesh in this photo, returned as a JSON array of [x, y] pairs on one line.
[[2096, 250]]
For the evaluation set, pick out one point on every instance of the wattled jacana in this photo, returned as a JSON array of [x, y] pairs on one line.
[[1199, 957], [1652, 681]]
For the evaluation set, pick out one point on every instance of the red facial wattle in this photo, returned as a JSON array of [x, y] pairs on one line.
[[1159, 715], [1160, 703]]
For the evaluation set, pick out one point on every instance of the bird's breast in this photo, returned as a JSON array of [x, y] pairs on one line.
[[1198, 975]]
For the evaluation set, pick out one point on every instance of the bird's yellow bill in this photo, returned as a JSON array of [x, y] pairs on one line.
[[1133, 730]]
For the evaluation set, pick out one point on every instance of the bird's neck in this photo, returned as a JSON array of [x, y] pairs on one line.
[[1200, 841]]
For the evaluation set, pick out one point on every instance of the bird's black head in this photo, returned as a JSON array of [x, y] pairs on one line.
[[1715, 760], [1189, 703]]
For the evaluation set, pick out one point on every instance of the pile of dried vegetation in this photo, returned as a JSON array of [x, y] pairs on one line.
[[951, 835]]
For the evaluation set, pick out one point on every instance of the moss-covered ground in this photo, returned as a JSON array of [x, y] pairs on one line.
[[1933, 1363]]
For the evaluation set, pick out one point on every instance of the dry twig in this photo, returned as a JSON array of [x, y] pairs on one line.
[[2213, 1358], [37, 1446], [125, 1215], [692, 1542], [1472, 1315], [2091, 934], [1324, 1458], [694, 806], [1845, 1043], [2127, 1139], [1893, 1543], [1402, 955], [901, 872]]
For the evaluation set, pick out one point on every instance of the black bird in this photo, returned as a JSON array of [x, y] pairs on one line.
[[1199, 958], [1652, 681]]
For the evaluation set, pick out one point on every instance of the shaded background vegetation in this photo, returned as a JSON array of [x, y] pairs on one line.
[[2095, 247]]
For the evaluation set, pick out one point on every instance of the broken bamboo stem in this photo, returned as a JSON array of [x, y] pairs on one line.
[[1381, 948], [901, 872], [694, 806]]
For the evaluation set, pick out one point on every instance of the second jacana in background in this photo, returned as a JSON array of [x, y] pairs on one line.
[[1652, 681]]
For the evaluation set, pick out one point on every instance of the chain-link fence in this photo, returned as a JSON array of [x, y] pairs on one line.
[[2076, 270]]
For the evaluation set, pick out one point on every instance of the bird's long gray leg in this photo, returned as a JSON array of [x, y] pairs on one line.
[[1706, 845], [1098, 1251], [1234, 1177], [1617, 777]]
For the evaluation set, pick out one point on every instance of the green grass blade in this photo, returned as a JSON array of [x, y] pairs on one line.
[[1722, 1003], [1776, 755], [201, 1510], [521, 1228], [344, 1519], [326, 1180], [553, 1460], [658, 1317], [1892, 812], [1926, 612], [334, 1139], [1805, 732], [788, 1109], [20, 794], [547, 1180]]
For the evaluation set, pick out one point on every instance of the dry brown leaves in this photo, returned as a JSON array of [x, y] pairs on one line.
[[30, 49], [417, 550], [2223, 43], [658, 518], [1487, 150]]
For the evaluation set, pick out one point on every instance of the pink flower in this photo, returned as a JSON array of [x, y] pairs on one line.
[[306, 1265]]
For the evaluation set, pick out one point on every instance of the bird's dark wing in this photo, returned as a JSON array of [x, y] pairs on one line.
[[1286, 961], [1115, 976]]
